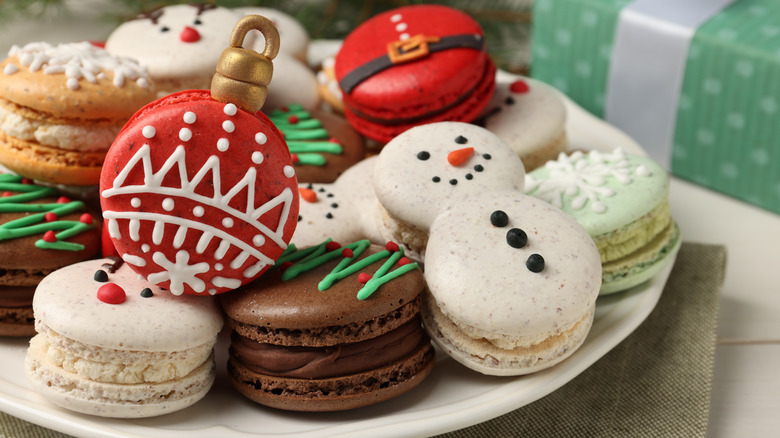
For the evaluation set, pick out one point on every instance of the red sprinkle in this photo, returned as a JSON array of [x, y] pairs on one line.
[[347, 253], [49, 237], [285, 109], [50, 217], [295, 158], [363, 277], [111, 293], [332, 246], [293, 119], [86, 218], [63, 200], [7, 194], [392, 247], [518, 86], [285, 265], [403, 261], [308, 195]]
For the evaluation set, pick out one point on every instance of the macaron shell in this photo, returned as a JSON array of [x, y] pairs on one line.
[[67, 302], [485, 286]]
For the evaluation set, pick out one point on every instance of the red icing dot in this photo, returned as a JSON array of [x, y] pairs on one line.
[[332, 246], [86, 218], [293, 119], [403, 261], [392, 247], [111, 293], [285, 265], [518, 86], [50, 217], [63, 200], [189, 35], [7, 194], [347, 253], [363, 277], [334, 140], [26, 181], [295, 158], [49, 237], [285, 109]]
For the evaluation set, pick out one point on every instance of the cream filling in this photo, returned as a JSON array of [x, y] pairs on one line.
[[626, 240], [70, 137]]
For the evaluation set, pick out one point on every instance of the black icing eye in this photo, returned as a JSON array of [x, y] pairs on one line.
[[535, 263], [516, 238], [321, 190], [479, 168], [329, 216], [300, 218], [147, 293], [499, 219], [423, 155], [469, 176], [101, 276], [165, 29], [197, 21], [461, 139], [453, 182], [334, 205], [486, 156], [435, 179], [509, 100]]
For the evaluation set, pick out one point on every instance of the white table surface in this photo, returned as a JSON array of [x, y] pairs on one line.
[[746, 385]]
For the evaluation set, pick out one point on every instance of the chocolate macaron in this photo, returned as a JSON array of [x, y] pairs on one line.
[[330, 328]]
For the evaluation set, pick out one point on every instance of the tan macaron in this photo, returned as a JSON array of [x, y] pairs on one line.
[[62, 106]]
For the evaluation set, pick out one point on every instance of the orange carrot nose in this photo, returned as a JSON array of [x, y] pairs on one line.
[[459, 156], [308, 195], [189, 35]]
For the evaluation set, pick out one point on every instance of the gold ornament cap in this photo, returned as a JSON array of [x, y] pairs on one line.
[[242, 74]]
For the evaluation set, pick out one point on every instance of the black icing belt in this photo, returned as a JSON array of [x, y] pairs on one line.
[[376, 65]]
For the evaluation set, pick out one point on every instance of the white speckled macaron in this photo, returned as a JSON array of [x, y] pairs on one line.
[[110, 344], [621, 200], [513, 283]]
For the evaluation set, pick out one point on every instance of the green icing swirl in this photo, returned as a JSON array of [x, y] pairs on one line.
[[309, 258], [306, 138], [36, 223]]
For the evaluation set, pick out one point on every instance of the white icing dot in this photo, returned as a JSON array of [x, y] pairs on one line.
[[141, 82], [185, 134], [149, 131], [135, 202], [228, 126], [145, 247], [227, 222], [212, 291], [400, 27], [289, 171], [218, 266], [223, 144], [395, 18], [258, 240], [257, 157], [167, 204], [10, 69], [198, 211], [73, 83], [231, 109], [403, 37], [261, 138], [642, 170], [190, 117]]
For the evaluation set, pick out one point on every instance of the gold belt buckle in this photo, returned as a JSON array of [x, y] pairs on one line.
[[410, 49]]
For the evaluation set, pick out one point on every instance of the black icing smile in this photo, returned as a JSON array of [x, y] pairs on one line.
[[469, 175]]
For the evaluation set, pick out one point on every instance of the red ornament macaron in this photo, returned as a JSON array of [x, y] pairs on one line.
[[198, 191], [414, 65]]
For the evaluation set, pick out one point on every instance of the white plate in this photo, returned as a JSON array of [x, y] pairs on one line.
[[451, 398]]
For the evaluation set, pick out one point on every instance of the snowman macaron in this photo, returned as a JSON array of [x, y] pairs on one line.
[[423, 170], [513, 283]]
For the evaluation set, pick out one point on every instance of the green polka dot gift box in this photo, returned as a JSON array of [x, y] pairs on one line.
[[695, 82]]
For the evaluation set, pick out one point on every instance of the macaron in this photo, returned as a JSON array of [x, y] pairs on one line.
[[530, 116], [513, 283], [61, 107], [344, 210], [414, 65], [40, 231], [331, 328], [621, 200], [425, 169], [179, 44], [328, 85], [323, 145], [112, 345]]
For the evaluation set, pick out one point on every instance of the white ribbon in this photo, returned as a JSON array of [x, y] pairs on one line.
[[647, 69]]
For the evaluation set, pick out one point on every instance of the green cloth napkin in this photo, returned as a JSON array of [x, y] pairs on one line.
[[655, 383]]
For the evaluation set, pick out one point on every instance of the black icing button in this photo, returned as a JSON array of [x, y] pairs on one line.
[[499, 219], [423, 155], [479, 168], [101, 276], [535, 263], [453, 181], [147, 293], [516, 238], [435, 179]]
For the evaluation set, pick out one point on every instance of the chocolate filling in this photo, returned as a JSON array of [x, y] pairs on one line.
[[338, 360], [16, 296]]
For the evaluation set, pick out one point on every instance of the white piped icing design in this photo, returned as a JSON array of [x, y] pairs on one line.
[[78, 61]]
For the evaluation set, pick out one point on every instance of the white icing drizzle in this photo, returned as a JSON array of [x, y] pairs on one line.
[[134, 260], [582, 178], [79, 61]]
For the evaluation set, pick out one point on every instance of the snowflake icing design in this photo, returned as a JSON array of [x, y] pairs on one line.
[[79, 61], [179, 273], [582, 177]]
